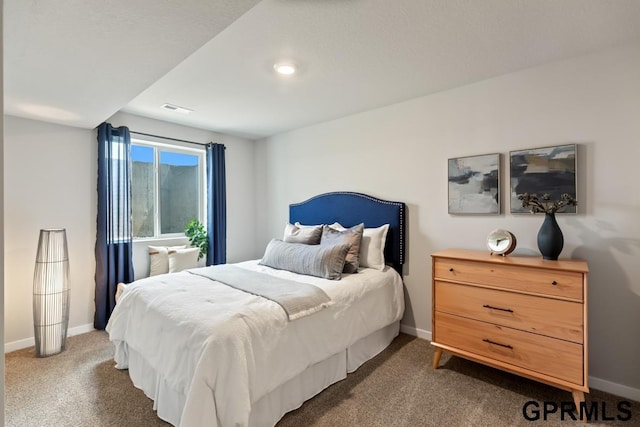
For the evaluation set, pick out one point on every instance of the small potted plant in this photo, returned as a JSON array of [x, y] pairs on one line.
[[197, 236], [550, 239]]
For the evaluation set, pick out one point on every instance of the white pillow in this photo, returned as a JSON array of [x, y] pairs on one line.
[[183, 259], [159, 259], [297, 224], [119, 290], [372, 246]]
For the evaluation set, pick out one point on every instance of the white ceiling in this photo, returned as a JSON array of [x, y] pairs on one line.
[[77, 62]]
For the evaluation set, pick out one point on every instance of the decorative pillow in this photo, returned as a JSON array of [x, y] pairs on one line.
[[159, 259], [297, 224], [353, 235], [312, 260], [372, 246], [182, 259], [119, 290], [309, 235], [372, 250]]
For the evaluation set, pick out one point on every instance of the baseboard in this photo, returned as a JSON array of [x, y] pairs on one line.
[[615, 388], [31, 342], [420, 333], [596, 383]]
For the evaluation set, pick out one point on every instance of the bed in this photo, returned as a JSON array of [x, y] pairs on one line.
[[209, 354]]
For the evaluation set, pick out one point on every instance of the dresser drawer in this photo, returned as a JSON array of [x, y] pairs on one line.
[[566, 284], [545, 316], [549, 356]]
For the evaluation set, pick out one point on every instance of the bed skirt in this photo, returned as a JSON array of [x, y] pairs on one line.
[[269, 409]]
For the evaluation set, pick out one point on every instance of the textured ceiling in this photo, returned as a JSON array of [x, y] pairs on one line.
[[78, 62], [353, 55]]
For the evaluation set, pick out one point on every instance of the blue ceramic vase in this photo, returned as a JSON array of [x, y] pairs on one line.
[[550, 239]]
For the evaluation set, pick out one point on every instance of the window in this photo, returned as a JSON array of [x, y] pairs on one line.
[[167, 188]]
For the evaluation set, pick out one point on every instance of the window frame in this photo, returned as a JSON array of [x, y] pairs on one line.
[[202, 187]]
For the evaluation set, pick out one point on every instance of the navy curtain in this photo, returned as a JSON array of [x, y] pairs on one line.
[[114, 247], [216, 205]]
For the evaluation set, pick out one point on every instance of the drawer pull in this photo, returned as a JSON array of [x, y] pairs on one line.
[[497, 308], [451, 269], [554, 283], [497, 343]]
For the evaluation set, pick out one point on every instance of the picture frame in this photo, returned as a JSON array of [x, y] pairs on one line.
[[546, 170], [474, 185]]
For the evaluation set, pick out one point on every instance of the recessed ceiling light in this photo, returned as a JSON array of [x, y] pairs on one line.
[[176, 109], [285, 68]]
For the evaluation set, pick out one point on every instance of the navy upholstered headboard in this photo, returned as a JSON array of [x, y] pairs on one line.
[[350, 209]]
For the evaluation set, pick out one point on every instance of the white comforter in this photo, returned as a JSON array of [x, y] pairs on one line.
[[224, 349]]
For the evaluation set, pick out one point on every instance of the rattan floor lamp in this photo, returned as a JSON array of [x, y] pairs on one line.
[[51, 292]]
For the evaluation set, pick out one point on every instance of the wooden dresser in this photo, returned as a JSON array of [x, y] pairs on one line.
[[524, 315]]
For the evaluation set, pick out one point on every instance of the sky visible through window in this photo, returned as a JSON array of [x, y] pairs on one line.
[[144, 154]]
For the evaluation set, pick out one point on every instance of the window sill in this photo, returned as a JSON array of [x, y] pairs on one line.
[[152, 240]]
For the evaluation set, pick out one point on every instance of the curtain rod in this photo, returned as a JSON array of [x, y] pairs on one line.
[[166, 137]]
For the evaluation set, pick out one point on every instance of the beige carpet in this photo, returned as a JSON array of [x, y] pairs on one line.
[[80, 387]]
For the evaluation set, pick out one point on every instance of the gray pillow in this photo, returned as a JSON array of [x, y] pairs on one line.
[[353, 235], [309, 235], [313, 260]]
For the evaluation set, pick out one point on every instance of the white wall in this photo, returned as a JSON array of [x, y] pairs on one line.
[[50, 181], [400, 152]]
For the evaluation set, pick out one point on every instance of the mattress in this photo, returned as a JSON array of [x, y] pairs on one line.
[[209, 354]]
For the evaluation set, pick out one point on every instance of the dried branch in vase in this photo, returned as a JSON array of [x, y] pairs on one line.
[[544, 204]]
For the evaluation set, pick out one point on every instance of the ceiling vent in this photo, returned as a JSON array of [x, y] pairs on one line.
[[176, 109]]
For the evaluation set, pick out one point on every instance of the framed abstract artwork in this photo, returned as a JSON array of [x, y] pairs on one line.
[[546, 170], [474, 184]]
